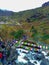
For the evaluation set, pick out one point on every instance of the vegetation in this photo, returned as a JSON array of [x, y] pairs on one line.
[[33, 23], [17, 34]]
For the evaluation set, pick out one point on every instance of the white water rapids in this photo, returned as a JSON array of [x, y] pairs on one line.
[[31, 58]]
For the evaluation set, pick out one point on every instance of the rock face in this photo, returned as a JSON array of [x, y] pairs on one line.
[[45, 4]]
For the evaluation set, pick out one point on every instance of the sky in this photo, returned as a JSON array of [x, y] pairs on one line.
[[20, 5]]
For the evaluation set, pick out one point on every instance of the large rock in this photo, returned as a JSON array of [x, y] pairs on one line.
[[45, 62], [29, 63], [39, 57]]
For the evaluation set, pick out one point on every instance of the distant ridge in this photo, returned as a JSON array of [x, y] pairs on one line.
[[11, 13], [45, 4], [5, 12]]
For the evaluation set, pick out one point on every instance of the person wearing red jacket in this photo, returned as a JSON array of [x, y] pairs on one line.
[[2, 58], [1, 55]]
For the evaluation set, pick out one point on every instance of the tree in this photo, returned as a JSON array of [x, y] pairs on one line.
[[34, 33], [17, 34]]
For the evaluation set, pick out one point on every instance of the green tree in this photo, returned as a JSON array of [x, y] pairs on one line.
[[34, 33], [17, 34]]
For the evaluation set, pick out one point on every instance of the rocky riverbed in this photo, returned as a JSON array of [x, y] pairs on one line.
[[20, 56], [25, 57]]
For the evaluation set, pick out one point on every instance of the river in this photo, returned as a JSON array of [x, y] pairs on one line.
[[31, 58]]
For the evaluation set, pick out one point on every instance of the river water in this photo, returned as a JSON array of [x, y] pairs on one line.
[[31, 58]]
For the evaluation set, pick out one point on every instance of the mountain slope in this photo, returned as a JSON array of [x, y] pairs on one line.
[[34, 22]]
